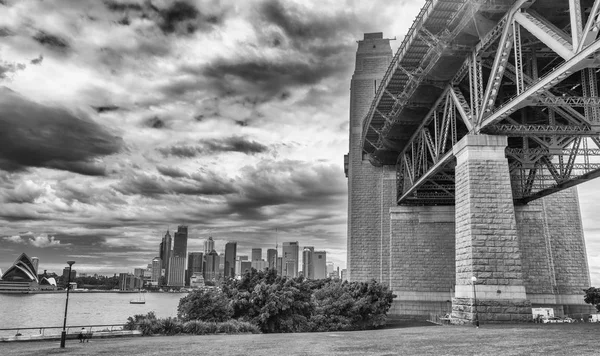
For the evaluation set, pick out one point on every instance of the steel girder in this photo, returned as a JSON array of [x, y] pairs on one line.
[[533, 78]]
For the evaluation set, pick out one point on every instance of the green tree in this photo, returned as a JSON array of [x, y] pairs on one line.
[[592, 296], [206, 305]]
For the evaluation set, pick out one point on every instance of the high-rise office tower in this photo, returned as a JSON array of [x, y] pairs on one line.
[[212, 266], [209, 245], [272, 258], [307, 262], [194, 265], [290, 268], [279, 266], [230, 255], [176, 271], [256, 254], [320, 264], [156, 269], [290, 253], [166, 254], [180, 244]]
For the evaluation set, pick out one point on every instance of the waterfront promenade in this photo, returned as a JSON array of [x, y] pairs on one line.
[[526, 339]]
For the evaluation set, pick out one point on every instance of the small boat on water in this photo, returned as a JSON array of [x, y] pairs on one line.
[[139, 300]]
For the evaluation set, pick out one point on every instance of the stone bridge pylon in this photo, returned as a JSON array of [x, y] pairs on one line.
[[465, 147]]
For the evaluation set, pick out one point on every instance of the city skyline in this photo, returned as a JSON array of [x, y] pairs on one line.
[[119, 124]]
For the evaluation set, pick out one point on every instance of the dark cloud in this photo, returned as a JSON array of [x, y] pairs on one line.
[[86, 193], [178, 17], [5, 32], [107, 108], [6, 68], [52, 41], [153, 186], [209, 146], [25, 192], [123, 6], [290, 183], [154, 122], [179, 151], [37, 60], [172, 172], [35, 135]]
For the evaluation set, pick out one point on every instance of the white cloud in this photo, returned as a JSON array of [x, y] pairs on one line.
[[43, 241], [15, 238]]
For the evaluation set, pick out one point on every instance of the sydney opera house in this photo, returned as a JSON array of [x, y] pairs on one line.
[[22, 277]]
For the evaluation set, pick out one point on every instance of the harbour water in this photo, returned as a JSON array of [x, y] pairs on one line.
[[47, 310]]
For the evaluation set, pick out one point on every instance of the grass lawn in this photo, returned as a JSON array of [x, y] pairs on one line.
[[518, 339]]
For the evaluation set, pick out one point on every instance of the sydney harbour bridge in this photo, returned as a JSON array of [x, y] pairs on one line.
[[464, 148]]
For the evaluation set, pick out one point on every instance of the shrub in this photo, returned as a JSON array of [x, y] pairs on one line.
[[206, 305], [196, 327], [171, 326], [136, 319], [150, 327]]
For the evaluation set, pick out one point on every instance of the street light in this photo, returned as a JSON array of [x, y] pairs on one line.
[[473, 280], [63, 336]]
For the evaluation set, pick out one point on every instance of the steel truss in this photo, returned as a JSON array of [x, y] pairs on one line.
[[529, 78]]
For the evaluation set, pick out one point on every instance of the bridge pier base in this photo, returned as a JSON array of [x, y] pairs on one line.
[[489, 281]]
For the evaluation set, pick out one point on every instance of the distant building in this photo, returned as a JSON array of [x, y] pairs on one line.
[[194, 265], [320, 264], [289, 269], [259, 265], [344, 275], [230, 257], [180, 242], [166, 253], [307, 262], [176, 271], [256, 254], [128, 281], [65, 276], [330, 268], [290, 255], [138, 272], [196, 280], [156, 269], [279, 266], [272, 258], [209, 245], [245, 266], [212, 266]]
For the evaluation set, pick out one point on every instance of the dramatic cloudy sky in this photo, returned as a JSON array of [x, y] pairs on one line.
[[122, 119]]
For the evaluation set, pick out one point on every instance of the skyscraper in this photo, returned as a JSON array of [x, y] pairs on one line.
[[230, 255], [180, 244], [307, 262], [156, 270], [176, 271], [212, 266], [194, 265], [272, 258], [290, 254], [256, 254], [209, 245], [320, 264], [166, 254]]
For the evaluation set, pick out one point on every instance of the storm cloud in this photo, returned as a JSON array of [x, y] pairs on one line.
[[210, 146], [35, 135]]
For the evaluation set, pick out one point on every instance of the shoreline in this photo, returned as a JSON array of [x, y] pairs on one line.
[[80, 291]]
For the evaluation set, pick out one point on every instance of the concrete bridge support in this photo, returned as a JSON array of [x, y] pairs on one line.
[[487, 244]]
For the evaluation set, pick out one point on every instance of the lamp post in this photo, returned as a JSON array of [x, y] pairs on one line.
[[473, 280], [63, 335]]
